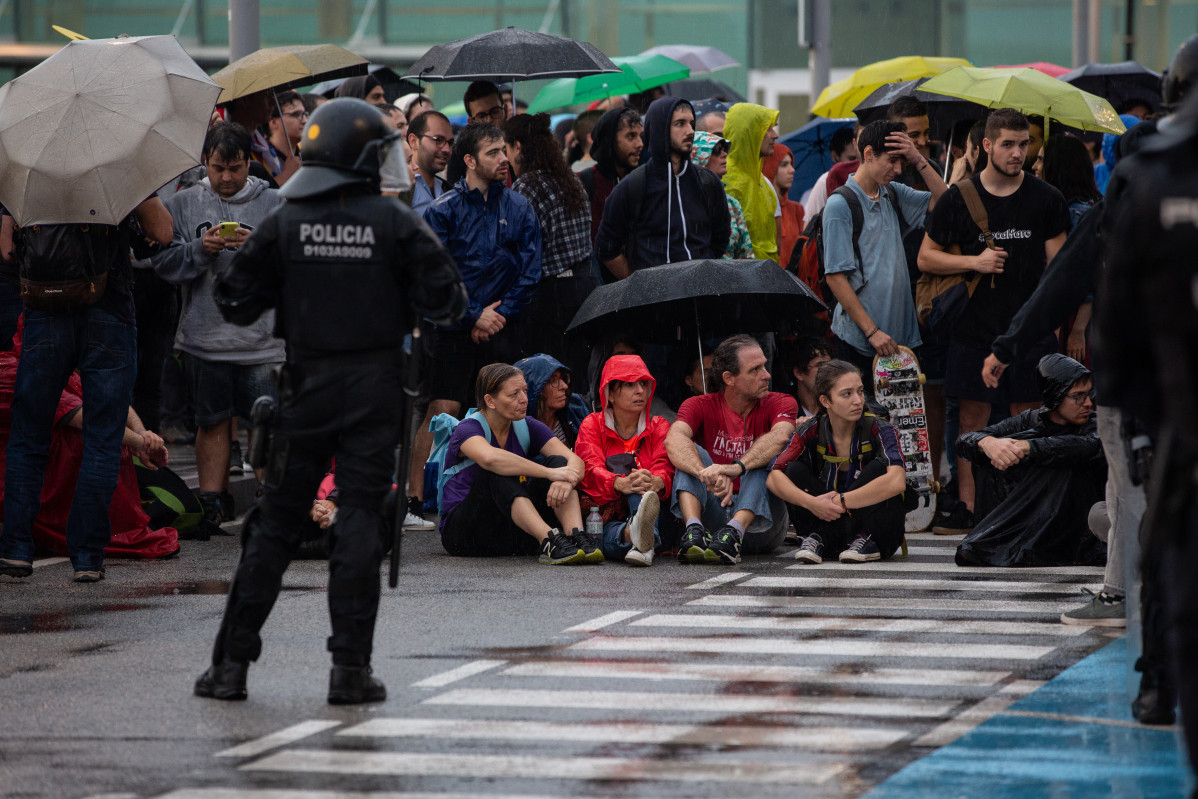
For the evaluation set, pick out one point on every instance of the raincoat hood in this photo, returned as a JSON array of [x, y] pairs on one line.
[[769, 167], [627, 369], [1109, 153], [358, 86], [657, 130], [537, 370], [746, 126], [603, 142], [1055, 375], [702, 148]]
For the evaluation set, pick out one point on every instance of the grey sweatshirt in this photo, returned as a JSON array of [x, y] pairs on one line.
[[203, 332]]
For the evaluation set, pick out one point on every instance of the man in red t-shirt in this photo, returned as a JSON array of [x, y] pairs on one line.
[[721, 446]]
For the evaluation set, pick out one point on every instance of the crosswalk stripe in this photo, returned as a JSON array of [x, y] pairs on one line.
[[866, 583], [945, 553], [838, 738], [288, 735], [718, 580], [720, 672], [640, 702], [460, 673], [843, 647], [301, 793], [540, 767], [41, 562], [605, 620], [889, 605], [940, 567], [807, 624]]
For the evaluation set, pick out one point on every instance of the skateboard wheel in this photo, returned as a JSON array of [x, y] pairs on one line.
[[922, 378], [884, 382]]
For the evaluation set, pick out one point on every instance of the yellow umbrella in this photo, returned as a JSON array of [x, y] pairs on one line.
[[285, 67], [839, 99], [1031, 92]]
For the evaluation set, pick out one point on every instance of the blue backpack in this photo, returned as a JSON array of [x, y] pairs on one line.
[[443, 425]]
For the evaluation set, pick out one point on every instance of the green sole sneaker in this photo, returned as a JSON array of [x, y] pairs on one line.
[[693, 554], [578, 557], [711, 556], [595, 556]]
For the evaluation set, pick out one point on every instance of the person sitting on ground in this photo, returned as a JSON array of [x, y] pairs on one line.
[[842, 475], [809, 354], [721, 446], [699, 378], [549, 396], [711, 151], [627, 469], [496, 494], [1037, 476]]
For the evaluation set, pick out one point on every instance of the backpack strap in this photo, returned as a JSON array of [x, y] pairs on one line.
[[904, 228], [854, 203], [973, 201]]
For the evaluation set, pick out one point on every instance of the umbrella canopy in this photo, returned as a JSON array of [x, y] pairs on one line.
[[810, 147], [699, 58], [637, 74], [389, 78], [510, 53], [89, 133], [286, 68], [943, 111], [1049, 69], [839, 99], [718, 296], [1031, 92], [705, 89], [1119, 84]]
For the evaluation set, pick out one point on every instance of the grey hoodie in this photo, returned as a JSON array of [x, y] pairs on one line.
[[203, 332]]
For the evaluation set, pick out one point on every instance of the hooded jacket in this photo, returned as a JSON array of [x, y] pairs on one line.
[[655, 217], [599, 442], [746, 126], [496, 243], [202, 331], [1110, 154], [601, 178], [537, 370], [740, 245], [792, 212]]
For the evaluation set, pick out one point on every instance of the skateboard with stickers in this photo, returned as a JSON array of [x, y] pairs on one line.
[[898, 386]]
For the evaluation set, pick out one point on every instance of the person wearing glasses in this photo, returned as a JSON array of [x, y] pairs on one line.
[[430, 138], [1037, 475], [286, 124], [549, 399]]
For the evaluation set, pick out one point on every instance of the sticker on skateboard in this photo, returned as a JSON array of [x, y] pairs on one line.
[[898, 386]]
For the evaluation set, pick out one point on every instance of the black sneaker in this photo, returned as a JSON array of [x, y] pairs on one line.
[[693, 544], [236, 464], [862, 549], [354, 685], [811, 550], [558, 549], [958, 522], [587, 545], [724, 546], [212, 502], [225, 680]]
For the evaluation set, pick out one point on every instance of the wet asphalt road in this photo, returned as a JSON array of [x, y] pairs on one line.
[[768, 682]]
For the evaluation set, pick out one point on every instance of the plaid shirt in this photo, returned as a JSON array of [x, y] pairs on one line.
[[565, 235]]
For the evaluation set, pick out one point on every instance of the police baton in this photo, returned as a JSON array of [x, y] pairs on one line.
[[403, 451]]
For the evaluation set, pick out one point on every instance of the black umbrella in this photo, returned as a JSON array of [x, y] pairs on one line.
[[943, 111], [722, 297], [705, 89], [1119, 84], [510, 53]]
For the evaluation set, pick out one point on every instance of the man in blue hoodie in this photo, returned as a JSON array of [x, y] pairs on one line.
[[667, 209]]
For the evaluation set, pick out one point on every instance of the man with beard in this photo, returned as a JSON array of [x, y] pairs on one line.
[[430, 138], [667, 209], [616, 146], [1028, 220]]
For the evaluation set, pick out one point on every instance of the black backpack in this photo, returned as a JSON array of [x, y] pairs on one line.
[[63, 267]]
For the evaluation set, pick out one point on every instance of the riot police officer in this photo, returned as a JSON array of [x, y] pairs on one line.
[[344, 268]]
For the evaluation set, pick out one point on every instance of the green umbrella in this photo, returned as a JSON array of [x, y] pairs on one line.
[[1031, 92], [638, 73]]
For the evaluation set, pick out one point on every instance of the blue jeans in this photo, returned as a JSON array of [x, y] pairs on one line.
[[105, 352], [768, 527], [613, 545]]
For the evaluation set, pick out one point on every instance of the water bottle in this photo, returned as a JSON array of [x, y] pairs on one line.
[[594, 525]]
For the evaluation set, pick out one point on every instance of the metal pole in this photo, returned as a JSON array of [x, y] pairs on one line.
[[1081, 29], [243, 28], [1129, 38], [1094, 46], [820, 57]]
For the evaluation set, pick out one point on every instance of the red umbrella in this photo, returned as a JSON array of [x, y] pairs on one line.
[[1051, 70]]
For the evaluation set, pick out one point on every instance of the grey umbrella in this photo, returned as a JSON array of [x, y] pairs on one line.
[[510, 53], [701, 59], [89, 133]]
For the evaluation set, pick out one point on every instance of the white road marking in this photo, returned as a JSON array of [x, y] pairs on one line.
[[945, 552], [288, 793], [37, 564], [942, 567], [823, 738], [540, 767], [842, 647], [615, 617], [866, 583], [808, 624], [288, 735], [718, 580], [640, 702], [894, 606], [732, 672], [966, 720], [460, 673]]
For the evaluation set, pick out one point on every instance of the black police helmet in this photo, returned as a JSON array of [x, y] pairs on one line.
[[1055, 375], [1181, 74], [334, 148]]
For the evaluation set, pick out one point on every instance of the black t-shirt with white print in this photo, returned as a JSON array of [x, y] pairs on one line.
[[1021, 223]]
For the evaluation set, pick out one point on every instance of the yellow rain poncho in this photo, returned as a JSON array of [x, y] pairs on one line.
[[746, 126]]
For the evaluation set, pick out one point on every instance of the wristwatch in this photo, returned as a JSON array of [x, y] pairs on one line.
[[743, 468]]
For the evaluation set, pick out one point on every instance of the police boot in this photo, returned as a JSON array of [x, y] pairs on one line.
[[1155, 702], [224, 680], [353, 685]]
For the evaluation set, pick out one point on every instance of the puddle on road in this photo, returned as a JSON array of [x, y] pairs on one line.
[[57, 621]]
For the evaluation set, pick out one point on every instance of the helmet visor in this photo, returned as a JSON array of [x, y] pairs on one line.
[[393, 165]]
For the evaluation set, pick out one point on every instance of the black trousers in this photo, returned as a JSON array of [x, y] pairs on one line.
[[481, 525], [544, 320], [156, 304], [884, 521], [350, 412]]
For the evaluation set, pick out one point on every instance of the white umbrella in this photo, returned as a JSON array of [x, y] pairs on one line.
[[99, 126], [700, 58]]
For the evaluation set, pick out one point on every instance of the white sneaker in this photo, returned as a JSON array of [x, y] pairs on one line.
[[640, 530], [414, 522], [634, 557]]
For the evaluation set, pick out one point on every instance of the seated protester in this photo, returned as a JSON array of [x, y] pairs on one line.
[[496, 493], [621, 344], [1037, 476], [699, 378], [549, 396], [809, 354], [627, 469], [721, 446], [842, 475]]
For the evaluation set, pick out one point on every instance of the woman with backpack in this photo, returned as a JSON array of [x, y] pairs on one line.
[[494, 496], [842, 475]]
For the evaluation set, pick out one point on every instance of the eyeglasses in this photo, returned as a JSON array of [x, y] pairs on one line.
[[296, 114], [560, 378], [1080, 396], [438, 141], [721, 146], [496, 114]]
